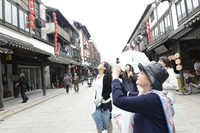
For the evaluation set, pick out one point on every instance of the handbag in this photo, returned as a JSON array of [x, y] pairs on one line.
[[101, 119]]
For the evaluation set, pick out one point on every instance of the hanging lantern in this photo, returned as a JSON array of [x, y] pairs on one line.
[[56, 48], [56, 27], [31, 4], [55, 52], [149, 40], [31, 24], [31, 18], [54, 14], [56, 23], [31, 0], [56, 44], [56, 31], [56, 35], [55, 18], [31, 12], [56, 39]]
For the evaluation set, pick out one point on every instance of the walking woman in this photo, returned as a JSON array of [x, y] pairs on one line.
[[129, 79], [67, 81], [23, 84], [152, 110], [170, 84], [103, 90]]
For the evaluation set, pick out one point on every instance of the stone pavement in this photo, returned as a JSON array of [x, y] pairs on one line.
[[66, 113], [71, 113], [13, 105]]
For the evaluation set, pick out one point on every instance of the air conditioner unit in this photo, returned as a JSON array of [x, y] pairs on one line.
[[40, 22]]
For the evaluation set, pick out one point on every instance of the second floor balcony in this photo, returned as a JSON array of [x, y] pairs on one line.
[[50, 29]]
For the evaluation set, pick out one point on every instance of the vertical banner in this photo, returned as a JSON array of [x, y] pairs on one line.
[[56, 33], [31, 5], [83, 44], [148, 30]]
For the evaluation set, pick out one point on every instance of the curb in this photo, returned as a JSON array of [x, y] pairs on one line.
[[8, 113]]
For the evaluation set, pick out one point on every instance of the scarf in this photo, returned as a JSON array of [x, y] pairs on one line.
[[167, 109]]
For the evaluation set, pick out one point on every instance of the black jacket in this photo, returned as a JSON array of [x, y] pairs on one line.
[[107, 87]]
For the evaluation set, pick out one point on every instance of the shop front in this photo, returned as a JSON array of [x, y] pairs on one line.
[[25, 58]]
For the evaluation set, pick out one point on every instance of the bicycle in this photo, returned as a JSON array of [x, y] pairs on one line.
[[190, 84]]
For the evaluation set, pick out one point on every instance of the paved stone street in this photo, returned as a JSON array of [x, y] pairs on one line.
[[66, 113], [71, 113]]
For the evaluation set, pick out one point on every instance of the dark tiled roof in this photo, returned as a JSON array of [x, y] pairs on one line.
[[14, 42], [5, 51]]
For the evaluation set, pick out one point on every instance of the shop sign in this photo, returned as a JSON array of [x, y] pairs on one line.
[[177, 55], [179, 67], [161, 49], [178, 61]]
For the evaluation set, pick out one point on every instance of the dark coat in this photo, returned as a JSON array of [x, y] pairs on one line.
[[76, 81], [107, 88], [149, 114]]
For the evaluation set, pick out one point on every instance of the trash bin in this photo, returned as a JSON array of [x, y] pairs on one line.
[[179, 83]]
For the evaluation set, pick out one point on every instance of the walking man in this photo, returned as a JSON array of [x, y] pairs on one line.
[[23, 84], [76, 82], [67, 81]]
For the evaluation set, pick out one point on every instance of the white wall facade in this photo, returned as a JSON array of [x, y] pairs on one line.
[[41, 45]]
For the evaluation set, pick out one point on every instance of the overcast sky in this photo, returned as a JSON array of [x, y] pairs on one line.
[[109, 22]]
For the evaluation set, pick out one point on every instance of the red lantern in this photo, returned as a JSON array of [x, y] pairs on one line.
[[56, 31], [56, 35], [149, 37], [31, 24], [55, 52], [31, 12], [56, 44], [31, 4], [56, 23], [147, 25], [147, 21], [55, 18], [54, 14], [56, 49], [31, 18], [55, 39], [56, 27], [148, 33], [149, 40], [31, 0], [148, 29]]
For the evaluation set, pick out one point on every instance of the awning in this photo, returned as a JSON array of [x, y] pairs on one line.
[[57, 59], [5, 51], [195, 19], [157, 43], [14, 42]]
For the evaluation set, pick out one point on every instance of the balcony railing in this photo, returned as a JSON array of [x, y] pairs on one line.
[[50, 28]]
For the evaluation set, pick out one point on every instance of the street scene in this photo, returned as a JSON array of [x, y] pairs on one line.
[[99, 66], [62, 115]]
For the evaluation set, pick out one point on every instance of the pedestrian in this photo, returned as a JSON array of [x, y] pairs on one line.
[[82, 79], [103, 91], [152, 110], [129, 79], [23, 85], [197, 70], [67, 81], [170, 85], [76, 81]]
